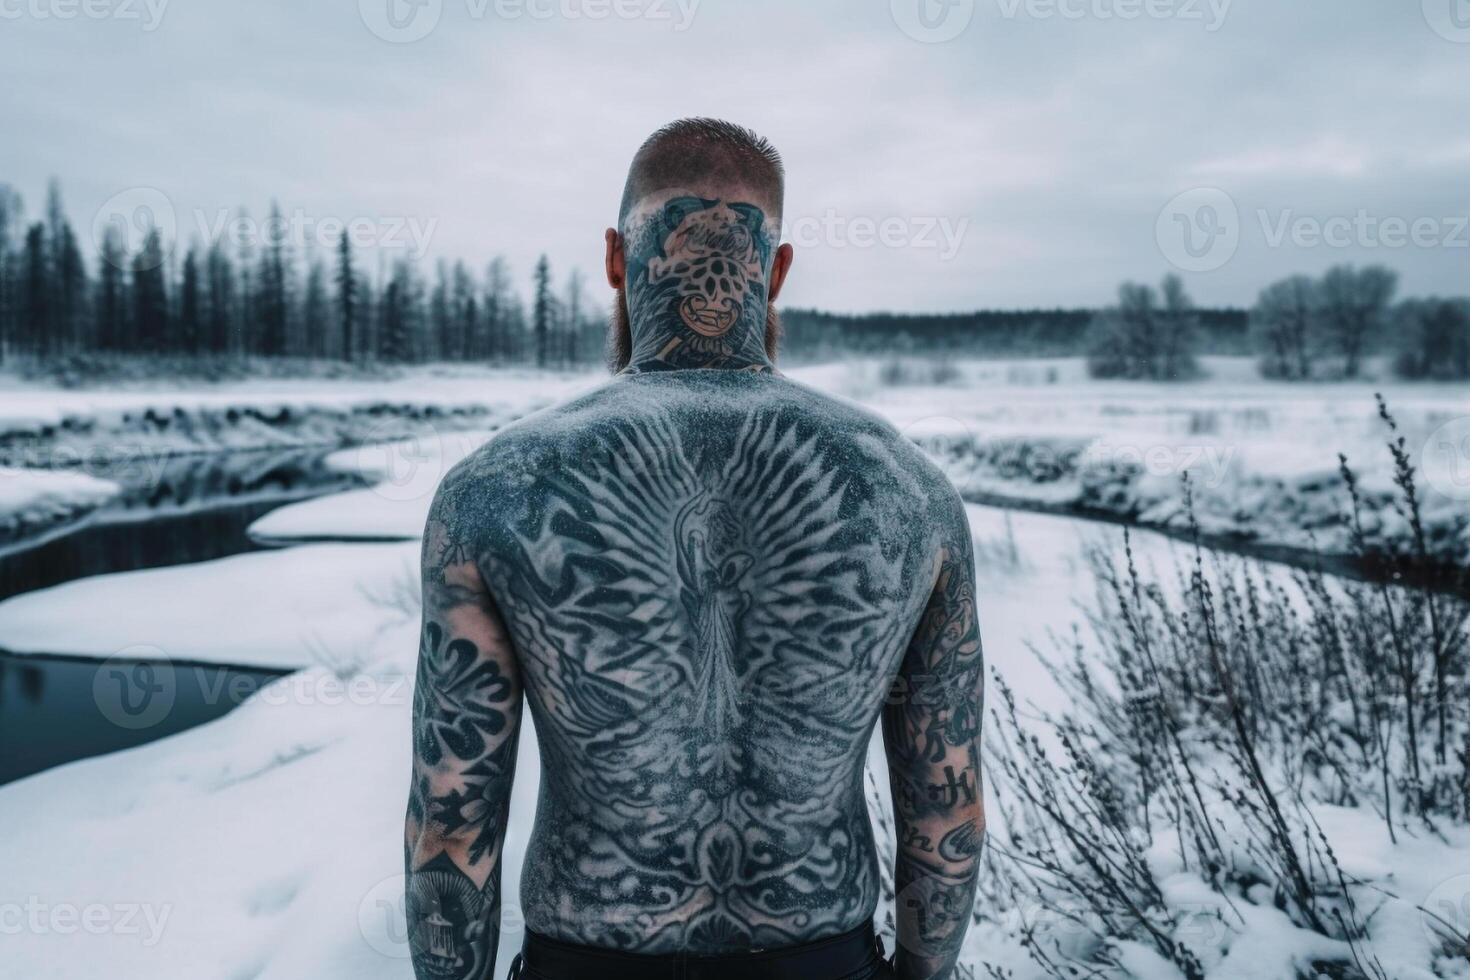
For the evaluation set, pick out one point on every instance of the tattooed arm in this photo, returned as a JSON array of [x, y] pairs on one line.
[[931, 732], [467, 706]]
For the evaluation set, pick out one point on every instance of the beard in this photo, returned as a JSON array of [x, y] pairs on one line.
[[619, 347]]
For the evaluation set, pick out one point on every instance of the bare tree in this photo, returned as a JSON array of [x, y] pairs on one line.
[[1434, 339], [1355, 306], [1283, 323], [1143, 338]]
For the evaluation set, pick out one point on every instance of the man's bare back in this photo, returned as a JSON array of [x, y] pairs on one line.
[[708, 584]]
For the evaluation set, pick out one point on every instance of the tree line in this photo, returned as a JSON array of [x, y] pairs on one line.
[[1300, 328], [272, 300]]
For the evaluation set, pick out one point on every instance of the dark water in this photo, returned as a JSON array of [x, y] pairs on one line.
[[195, 509], [55, 710]]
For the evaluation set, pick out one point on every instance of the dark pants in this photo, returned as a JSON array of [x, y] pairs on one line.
[[855, 955]]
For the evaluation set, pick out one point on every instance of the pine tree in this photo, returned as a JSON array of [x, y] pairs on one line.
[[497, 341], [10, 263], [150, 299], [246, 330], [223, 304], [463, 315], [574, 317], [191, 319], [543, 312], [440, 321], [56, 332], [112, 291], [401, 315], [314, 312], [272, 287], [347, 301], [36, 296]]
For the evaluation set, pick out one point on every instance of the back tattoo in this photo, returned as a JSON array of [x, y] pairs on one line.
[[705, 584]]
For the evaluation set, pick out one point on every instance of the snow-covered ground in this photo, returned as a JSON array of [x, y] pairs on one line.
[[319, 604], [64, 454], [1262, 456], [46, 411], [266, 844], [35, 501]]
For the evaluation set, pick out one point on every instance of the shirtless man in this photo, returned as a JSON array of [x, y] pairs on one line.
[[708, 582]]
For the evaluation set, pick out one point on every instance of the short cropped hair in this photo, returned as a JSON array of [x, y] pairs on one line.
[[706, 151]]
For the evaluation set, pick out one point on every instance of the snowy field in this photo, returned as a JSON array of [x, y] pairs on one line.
[[1261, 456], [266, 845]]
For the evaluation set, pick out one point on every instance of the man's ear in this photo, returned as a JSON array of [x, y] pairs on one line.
[[785, 255], [616, 261]]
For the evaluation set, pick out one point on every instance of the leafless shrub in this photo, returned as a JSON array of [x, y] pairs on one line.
[[1205, 722]]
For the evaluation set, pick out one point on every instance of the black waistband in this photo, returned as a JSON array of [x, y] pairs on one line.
[[850, 955]]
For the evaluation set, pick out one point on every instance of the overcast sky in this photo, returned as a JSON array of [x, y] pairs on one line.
[[1035, 158]]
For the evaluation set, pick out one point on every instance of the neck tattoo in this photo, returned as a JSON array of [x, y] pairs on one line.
[[698, 285]]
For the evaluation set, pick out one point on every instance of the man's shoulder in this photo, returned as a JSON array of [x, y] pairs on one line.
[[628, 410]]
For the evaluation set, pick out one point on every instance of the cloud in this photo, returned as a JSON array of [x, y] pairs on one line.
[[1054, 141]]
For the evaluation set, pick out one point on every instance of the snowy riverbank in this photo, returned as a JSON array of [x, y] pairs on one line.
[[204, 842], [65, 454], [33, 502], [1261, 456]]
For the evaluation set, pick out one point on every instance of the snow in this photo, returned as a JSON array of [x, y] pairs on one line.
[[38, 409], [359, 514], [1262, 456], [269, 837], [266, 844], [314, 605], [405, 475], [37, 499]]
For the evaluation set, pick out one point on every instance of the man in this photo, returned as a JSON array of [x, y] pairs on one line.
[[708, 582]]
